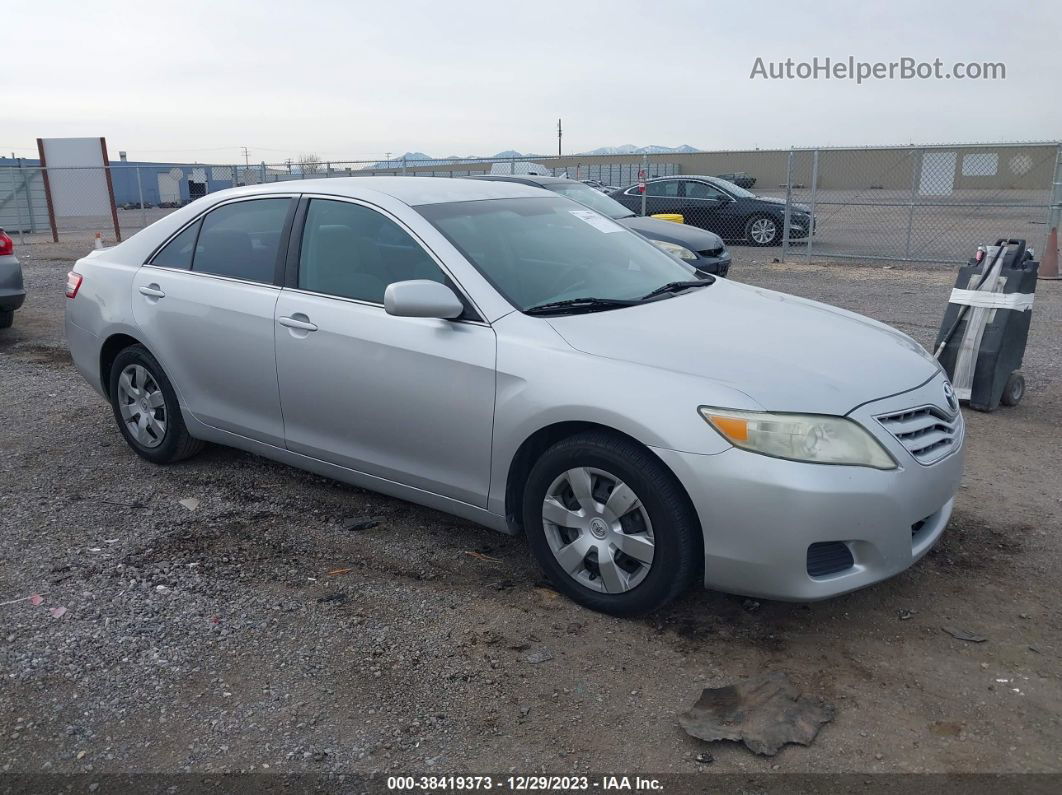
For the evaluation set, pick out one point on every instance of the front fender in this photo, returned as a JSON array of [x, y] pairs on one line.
[[543, 381]]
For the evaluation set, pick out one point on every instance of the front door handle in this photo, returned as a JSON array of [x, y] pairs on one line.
[[152, 291], [299, 321]]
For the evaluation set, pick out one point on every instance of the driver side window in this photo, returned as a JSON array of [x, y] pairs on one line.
[[351, 251]]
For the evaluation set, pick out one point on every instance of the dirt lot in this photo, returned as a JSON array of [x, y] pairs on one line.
[[213, 639]]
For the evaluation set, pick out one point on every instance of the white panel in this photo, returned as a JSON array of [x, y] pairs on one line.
[[938, 173], [985, 164], [169, 188], [76, 177]]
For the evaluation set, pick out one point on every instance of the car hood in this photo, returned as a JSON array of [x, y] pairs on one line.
[[784, 352], [681, 234], [802, 208]]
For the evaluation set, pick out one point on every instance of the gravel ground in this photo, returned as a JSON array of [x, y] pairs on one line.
[[249, 632]]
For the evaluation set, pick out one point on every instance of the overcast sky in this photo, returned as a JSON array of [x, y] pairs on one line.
[[347, 80]]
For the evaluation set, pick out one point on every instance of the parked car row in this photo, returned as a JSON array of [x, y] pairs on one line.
[[740, 178], [730, 211], [504, 353], [701, 249]]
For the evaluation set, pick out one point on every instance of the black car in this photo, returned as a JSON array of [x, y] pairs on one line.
[[711, 203], [740, 178], [701, 249]]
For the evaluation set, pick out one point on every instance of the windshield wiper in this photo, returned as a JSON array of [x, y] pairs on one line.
[[588, 304], [674, 287]]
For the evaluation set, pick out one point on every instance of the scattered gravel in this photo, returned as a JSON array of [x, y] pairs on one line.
[[220, 615]]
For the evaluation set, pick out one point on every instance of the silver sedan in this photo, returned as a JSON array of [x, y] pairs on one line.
[[504, 354]]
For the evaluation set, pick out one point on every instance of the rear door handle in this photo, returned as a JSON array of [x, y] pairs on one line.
[[299, 321], [152, 291]]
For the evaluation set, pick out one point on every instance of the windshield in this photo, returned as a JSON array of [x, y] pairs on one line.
[[735, 190], [540, 250], [591, 197]]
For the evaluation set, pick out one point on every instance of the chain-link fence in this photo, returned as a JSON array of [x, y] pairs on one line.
[[919, 204]]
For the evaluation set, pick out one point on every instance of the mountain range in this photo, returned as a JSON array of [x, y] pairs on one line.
[[625, 149]]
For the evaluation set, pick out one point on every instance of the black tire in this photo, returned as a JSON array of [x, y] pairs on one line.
[[678, 557], [1014, 390], [774, 240], [177, 444], [7, 317]]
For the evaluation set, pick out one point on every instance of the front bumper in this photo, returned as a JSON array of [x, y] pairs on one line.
[[760, 515], [717, 266], [801, 227]]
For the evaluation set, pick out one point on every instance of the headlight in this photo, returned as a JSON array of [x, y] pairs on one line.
[[675, 250], [814, 438]]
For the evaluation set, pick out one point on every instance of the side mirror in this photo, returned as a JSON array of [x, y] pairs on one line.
[[422, 298]]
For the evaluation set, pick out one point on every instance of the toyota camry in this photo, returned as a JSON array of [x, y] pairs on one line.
[[510, 356]]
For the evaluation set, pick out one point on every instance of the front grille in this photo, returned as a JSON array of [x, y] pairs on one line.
[[927, 432], [711, 252], [829, 557]]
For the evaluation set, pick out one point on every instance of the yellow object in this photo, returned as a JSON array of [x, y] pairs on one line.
[[676, 217]]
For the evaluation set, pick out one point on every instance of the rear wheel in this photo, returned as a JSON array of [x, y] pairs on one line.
[[146, 409], [7, 317], [1014, 391], [762, 230], [610, 525]]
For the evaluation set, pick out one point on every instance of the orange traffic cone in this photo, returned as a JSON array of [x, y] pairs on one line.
[[1049, 261], [99, 240]]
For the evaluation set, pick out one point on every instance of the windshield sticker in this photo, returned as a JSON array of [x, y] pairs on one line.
[[599, 222]]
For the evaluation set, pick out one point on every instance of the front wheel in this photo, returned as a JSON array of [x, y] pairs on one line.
[[610, 525], [146, 409], [762, 230]]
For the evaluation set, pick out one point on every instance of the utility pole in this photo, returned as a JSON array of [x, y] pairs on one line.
[[560, 133], [246, 157]]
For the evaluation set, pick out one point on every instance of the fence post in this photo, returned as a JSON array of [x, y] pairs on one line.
[[1049, 253], [788, 205], [403, 165], [916, 160], [1054, 216], [140, 190], [814, 196], [18, 207], [643, 178]]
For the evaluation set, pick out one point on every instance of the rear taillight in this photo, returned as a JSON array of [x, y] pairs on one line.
[[73, 284], [7, 245]]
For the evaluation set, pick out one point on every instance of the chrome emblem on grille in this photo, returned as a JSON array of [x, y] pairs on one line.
[[949, 397]]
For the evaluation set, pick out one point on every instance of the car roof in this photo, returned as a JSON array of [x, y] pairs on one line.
[[408, 190], [525, 179]]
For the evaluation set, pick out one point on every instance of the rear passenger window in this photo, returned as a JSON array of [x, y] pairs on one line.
[[241, 240], [351, 251], [178, 252], [667, 187]]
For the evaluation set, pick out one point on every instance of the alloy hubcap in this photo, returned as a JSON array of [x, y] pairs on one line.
[[598, 530], [762, 230], [142, 405]]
